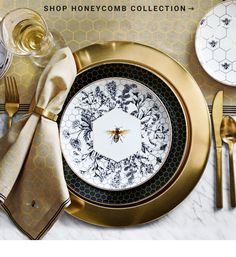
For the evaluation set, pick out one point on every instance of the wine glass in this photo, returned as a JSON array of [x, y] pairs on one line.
[[24, 32]]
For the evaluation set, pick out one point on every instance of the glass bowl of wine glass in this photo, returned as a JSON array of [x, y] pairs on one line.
[[24, 32]]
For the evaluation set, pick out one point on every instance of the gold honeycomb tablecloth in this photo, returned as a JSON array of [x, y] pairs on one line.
[[171, 32]]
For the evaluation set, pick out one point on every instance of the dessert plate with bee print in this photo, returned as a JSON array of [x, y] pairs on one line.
[[215, 43], [122, 133], [115, 133]]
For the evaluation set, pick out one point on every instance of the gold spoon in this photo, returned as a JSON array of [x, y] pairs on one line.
[[228, 135]]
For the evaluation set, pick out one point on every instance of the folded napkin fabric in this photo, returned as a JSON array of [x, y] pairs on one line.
[[33, 191]]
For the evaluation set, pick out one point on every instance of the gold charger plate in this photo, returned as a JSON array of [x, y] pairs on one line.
[[198, 133]]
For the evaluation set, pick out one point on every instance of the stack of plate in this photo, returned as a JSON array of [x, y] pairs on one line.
[[5, 60], [133, 142]]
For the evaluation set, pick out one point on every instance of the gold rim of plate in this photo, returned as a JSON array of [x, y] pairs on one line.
[[198, 134]]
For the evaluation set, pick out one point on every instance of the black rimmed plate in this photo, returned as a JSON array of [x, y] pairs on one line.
[[153, 184]]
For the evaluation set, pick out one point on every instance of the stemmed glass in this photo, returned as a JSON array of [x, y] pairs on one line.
[[24, 32]]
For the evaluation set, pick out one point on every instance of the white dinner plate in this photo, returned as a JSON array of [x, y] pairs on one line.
[[215, 43]]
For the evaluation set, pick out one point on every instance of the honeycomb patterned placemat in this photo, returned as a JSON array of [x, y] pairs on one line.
[[170, 31]]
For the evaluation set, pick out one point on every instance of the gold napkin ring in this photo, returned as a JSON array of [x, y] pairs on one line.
[[42, 112]]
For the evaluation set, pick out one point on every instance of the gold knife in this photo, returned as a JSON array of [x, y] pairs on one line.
[[217, 116]]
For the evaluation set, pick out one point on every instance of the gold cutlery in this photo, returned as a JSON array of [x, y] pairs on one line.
[[12, 101], [228, 135], [217, 116]]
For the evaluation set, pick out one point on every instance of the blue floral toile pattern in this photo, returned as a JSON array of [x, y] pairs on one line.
[[94, 101]]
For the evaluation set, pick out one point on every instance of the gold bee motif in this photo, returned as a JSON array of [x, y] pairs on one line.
[[117, 134]]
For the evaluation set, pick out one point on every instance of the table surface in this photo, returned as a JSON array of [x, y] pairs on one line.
[[195, 217]]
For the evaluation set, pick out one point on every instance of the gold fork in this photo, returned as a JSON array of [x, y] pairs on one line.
[[12, 101]]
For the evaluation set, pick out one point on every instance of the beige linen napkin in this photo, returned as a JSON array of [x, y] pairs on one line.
[[33, 190]]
